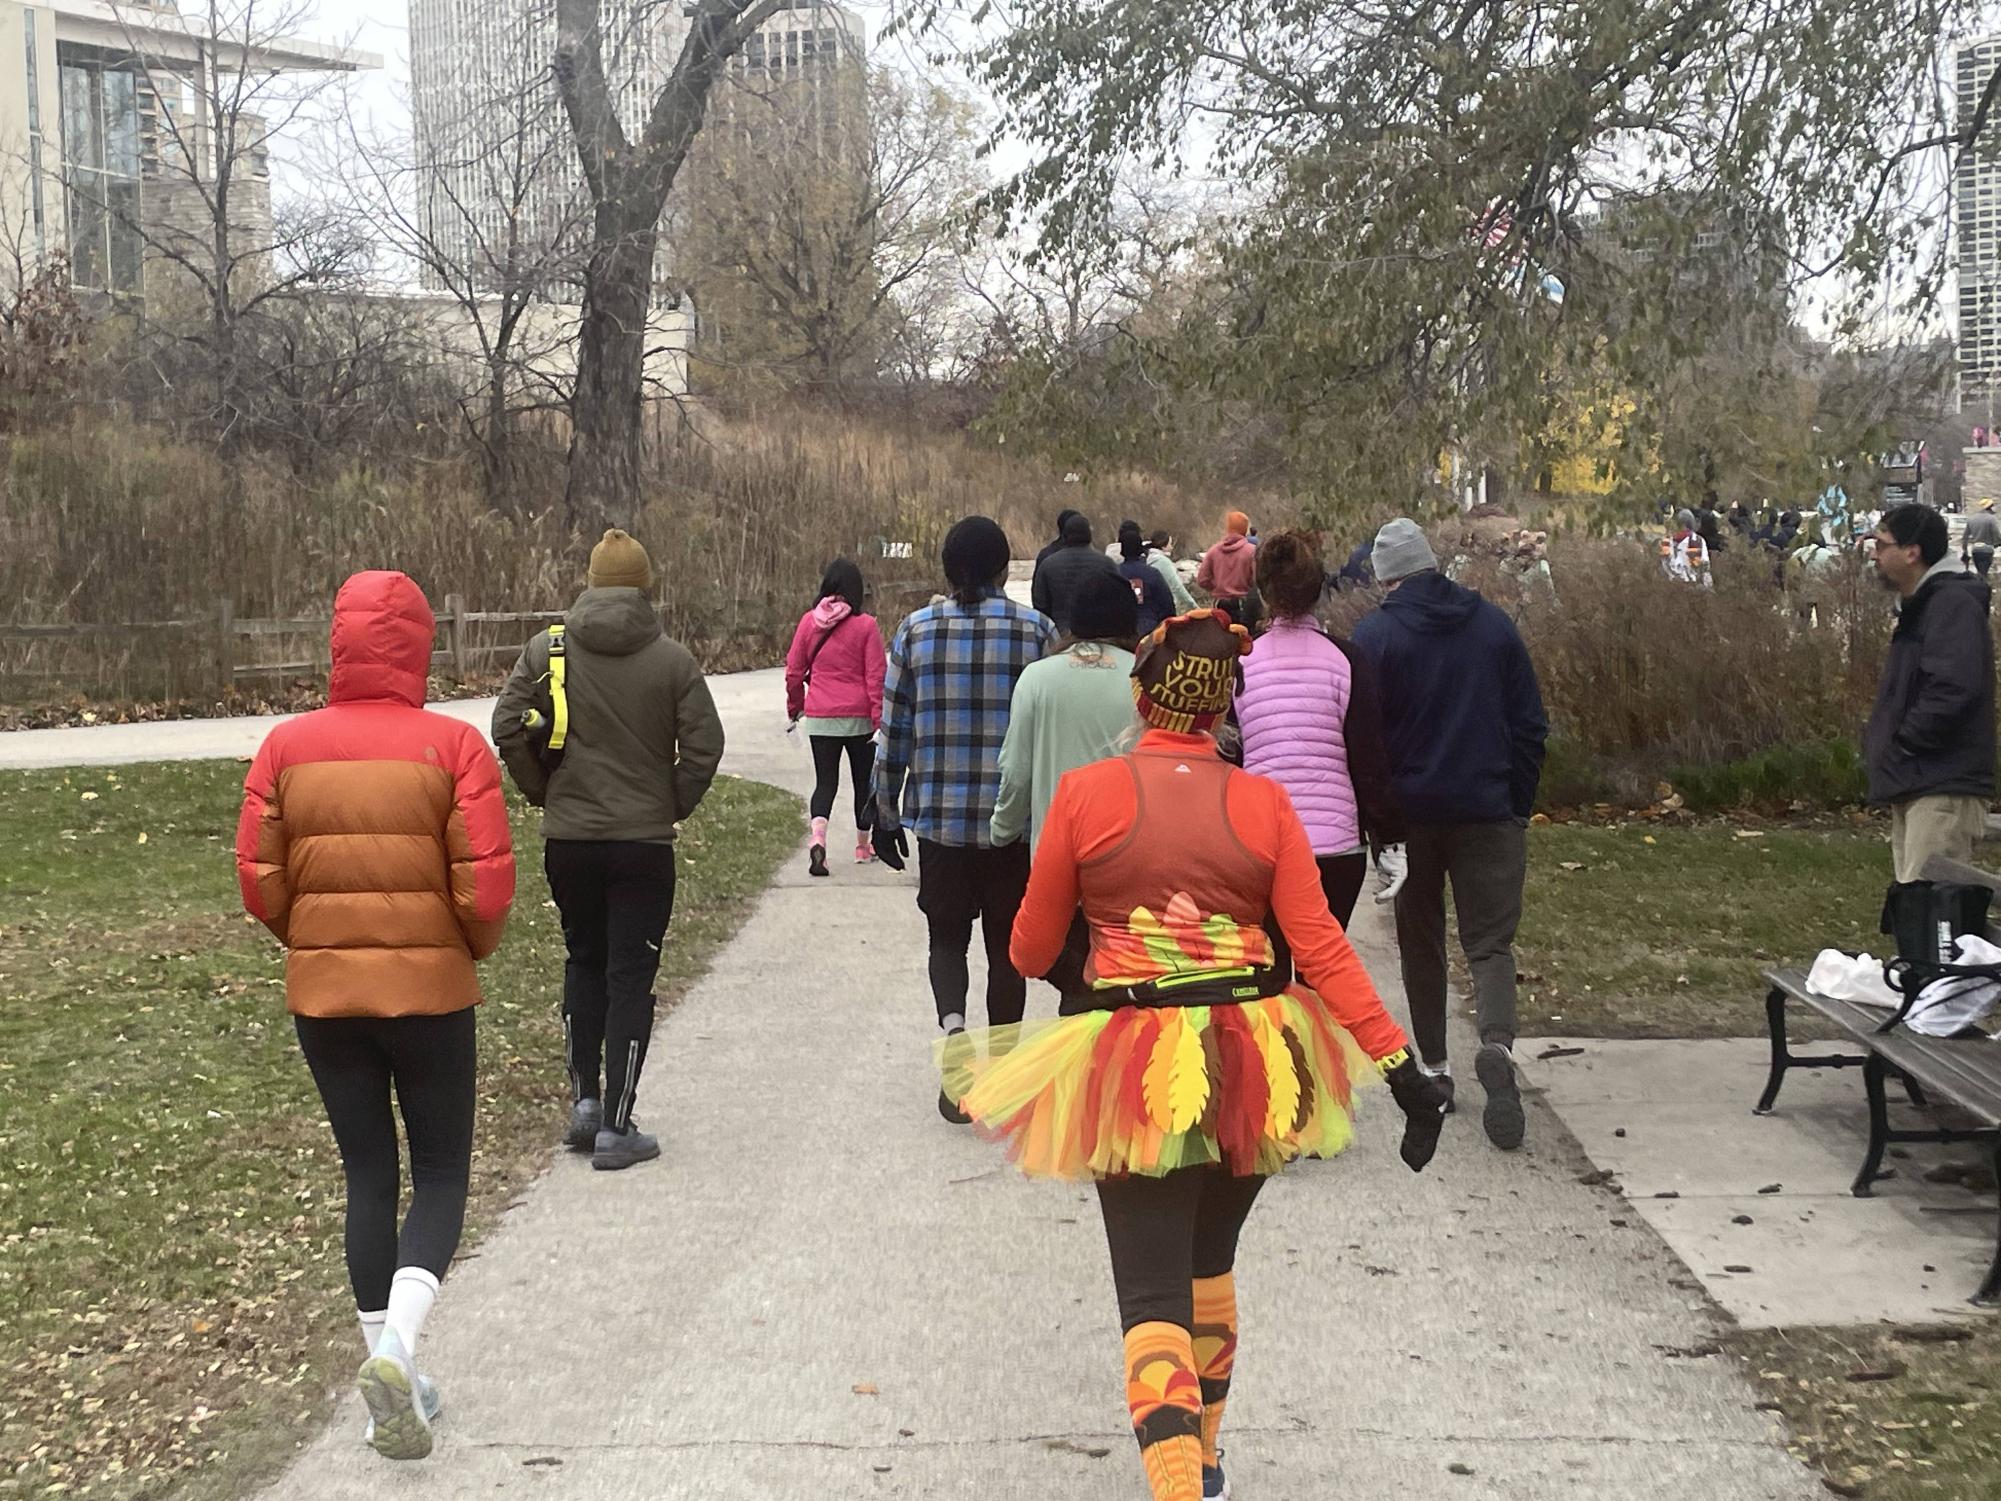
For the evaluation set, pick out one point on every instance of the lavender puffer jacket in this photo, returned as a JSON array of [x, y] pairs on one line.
[[1293, 710]]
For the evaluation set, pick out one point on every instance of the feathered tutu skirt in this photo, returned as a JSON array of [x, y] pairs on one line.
[[1149, 1090]]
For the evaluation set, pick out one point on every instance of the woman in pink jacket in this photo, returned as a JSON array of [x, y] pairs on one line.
[[833, 685], [1312, 722]]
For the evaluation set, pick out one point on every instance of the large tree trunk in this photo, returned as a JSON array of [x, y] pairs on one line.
[[607, 440]]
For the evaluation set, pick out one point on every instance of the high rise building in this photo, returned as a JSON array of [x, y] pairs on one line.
[[1977, 228]]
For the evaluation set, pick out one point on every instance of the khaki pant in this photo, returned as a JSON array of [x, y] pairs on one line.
[[1940, 825]]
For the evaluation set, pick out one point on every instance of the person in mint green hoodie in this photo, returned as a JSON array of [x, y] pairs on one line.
[[1069, 709]]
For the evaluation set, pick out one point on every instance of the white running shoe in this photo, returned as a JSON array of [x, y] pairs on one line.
[[428, 1394], [399, 1428]]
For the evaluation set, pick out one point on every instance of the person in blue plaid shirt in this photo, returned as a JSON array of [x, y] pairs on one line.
[[952, 671]]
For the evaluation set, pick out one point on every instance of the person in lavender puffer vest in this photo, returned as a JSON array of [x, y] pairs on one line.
[[833, 685], [1310, 720]]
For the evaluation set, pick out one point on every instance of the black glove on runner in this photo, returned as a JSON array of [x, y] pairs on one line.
[[887, 838], [1422, 1100]]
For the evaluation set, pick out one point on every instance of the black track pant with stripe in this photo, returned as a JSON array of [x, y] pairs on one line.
[[616, 897]]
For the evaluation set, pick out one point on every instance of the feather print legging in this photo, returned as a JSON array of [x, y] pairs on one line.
[[1173, 1243]]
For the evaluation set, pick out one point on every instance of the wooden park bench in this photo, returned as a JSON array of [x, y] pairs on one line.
[[1965, 1073]]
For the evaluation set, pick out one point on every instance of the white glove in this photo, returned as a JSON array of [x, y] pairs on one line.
[[1392, 869]]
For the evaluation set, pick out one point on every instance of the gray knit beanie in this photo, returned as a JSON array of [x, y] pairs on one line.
[[1401, 550]]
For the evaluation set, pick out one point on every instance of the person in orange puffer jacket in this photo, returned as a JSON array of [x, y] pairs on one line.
[[374, 844]]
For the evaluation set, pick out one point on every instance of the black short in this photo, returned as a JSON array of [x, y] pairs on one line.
[[957, 883]]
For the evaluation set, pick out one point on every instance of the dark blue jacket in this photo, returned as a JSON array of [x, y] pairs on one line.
[[1150, 593], [1461, 705], [1932, 730]]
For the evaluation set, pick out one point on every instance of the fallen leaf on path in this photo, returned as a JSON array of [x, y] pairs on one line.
[[866, 1389]]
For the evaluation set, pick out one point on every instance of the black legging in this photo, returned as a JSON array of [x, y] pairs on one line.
[[432, 1063], [827, 773], [1165, 1232], [1341, 879]]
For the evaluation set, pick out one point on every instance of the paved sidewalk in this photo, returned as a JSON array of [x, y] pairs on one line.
[[824, 1291], [1770, 1195]]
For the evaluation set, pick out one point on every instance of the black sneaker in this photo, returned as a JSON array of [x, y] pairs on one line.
[[816, 860], [1215, 1484], [947, 1106], [1504, 1120], [586, 1120], [623, 1149], [1451, 1088]]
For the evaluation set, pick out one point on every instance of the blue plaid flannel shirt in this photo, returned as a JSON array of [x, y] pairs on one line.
[[951, 678]]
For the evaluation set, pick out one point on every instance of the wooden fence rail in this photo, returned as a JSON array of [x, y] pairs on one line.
[[224, 635]]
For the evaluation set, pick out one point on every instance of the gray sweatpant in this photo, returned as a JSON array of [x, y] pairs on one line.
[[1486, 863]]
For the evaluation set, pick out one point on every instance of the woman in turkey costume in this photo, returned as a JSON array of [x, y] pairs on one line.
[[1189, 1072]]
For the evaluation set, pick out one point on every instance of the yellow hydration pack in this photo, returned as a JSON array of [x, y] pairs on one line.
[[548, 720]]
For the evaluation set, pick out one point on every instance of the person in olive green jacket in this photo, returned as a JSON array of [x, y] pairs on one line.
[[644, 741]]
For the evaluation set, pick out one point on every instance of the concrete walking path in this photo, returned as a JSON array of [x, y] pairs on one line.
[[822, 1290]]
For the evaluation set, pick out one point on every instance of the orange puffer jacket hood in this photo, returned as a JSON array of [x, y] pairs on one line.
[[374, 840]]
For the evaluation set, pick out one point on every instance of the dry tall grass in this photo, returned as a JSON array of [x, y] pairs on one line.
[[118, 523]]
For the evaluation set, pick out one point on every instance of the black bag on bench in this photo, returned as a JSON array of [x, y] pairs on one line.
[[1926, 918]]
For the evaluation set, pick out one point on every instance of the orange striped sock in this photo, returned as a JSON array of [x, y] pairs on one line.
[[1164, 1396], [1215, 1352]]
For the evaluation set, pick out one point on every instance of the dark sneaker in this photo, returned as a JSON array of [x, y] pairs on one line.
[[398, 1425], [816, 860], [947, 1106], [1503, 1118], [622, 1149], [586, 1120], [1451, 1087], [1215, 1484]]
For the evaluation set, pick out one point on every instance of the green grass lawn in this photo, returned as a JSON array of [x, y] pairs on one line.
[[1659, 929], [174, 1310]]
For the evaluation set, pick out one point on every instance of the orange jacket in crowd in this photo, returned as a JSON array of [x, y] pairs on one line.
[[374, 840], [1176, 857]]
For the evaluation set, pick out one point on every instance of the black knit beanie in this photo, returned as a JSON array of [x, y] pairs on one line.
[[975, 554], [1105, 609]]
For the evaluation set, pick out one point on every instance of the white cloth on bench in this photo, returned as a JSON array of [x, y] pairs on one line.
[[1852, 977]]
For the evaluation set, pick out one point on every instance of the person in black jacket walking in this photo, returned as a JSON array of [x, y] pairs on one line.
[[1463, 714], [1060, 575], [1930, 741]]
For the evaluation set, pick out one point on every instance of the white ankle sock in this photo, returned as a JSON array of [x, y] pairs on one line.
[[371, 1327], [1442, 1070], [411, 1295], [953, 1022]]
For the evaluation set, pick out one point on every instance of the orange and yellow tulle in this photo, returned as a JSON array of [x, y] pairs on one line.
[[1250, 1085]]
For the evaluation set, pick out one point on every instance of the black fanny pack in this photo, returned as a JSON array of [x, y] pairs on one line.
[[1227, 987]]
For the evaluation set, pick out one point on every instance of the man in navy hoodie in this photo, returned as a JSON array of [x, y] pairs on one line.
[[1465, 722]]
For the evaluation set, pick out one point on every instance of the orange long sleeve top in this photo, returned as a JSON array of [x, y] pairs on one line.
[[1138, 902]]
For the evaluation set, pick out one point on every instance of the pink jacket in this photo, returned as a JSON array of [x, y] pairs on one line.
[[1293, 712], [843, 653], [1229, 569]]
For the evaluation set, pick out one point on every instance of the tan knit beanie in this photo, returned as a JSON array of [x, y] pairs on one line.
[[619, 562]]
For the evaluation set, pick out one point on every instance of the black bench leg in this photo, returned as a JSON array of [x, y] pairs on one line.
[[1775, 1019], [1915, 1092], [1873, 1073], [1990, 1289]]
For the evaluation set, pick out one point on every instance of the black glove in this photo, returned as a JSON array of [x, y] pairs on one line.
[[1422, 1100], [887, 838]]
